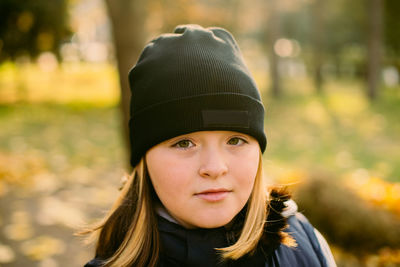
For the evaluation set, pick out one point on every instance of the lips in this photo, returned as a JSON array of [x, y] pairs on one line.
[[213, 195]]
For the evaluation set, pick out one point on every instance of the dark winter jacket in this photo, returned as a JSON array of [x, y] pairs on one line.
[[196, 247]]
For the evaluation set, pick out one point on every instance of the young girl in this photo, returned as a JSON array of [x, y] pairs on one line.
[[197, 195]]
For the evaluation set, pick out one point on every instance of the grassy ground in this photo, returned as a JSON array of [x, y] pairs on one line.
[[62, 155], [340, 131]]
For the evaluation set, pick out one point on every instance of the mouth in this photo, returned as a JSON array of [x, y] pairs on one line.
[[213, 195]]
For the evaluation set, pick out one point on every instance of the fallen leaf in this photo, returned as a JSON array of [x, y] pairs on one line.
[[53, 211], [18, 231], [42, 247], [7, 255]]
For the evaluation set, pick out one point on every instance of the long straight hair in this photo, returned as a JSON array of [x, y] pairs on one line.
[[255, 220], [128, 235]]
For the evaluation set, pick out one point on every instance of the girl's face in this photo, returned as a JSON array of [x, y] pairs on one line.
[[204, 178]]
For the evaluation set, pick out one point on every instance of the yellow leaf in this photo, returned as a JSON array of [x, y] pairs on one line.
[[42, 247], [7, 255]]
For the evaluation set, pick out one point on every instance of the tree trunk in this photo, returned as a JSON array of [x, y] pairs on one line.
[[274, 31], [374, 47], [128, 24], [318, 47]]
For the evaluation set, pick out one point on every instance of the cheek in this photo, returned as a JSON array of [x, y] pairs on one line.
[[246, 170], [168, 180], [166, 186]]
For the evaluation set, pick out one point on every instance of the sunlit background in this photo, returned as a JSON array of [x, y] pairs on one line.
[[328, 72]]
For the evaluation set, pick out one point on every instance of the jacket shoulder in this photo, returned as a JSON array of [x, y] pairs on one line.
[[289, 235], [301, 229]]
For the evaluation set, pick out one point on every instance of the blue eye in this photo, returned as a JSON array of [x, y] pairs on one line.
[[183, 144], [236, 141]]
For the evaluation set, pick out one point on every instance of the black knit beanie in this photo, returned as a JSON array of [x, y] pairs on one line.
[[194, 79]]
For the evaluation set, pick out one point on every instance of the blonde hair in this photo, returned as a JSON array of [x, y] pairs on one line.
[[255, 219], [128, 235]]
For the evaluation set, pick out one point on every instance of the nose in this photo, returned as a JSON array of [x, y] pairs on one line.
[[212, 163]]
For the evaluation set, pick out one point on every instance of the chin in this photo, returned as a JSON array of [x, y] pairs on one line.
[[213, 222]]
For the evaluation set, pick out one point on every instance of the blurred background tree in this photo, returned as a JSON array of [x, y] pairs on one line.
[[28, 28], [127, 19]]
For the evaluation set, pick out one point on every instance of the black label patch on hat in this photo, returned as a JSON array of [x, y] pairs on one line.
[[225, 118]]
